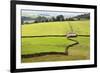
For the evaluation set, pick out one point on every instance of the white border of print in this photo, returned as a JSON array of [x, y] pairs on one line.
[[20, 65]]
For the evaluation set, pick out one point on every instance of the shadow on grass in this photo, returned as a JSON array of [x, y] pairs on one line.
[[42, 54]]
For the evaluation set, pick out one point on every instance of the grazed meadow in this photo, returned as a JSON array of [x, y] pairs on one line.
[[34, 45]]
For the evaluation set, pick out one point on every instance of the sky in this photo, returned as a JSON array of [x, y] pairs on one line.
[[66, 14]]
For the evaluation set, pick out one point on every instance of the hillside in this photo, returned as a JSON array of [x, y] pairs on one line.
[[84, 16]]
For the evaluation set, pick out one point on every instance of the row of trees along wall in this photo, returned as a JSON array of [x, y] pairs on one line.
[[53, 19]]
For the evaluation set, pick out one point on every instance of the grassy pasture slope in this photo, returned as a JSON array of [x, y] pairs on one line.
[[56, 44], [44, 44], [77, 52], [55, 28]]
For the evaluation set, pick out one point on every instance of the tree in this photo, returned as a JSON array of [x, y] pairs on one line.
[[53, 19], [22, 21], [60, 18], [41, 19]]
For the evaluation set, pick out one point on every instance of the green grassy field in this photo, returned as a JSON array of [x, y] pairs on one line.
[[44, 44], [55, 28], [55, 44]]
